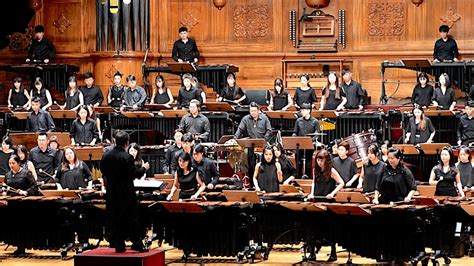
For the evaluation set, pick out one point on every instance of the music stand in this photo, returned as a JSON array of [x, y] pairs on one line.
[[60, 193], [324, 114], [303, 206], [138, 115], [428, 191], [173, 113], [63, 115], [281, 115], [297, 143], [182, 207], [64, 138], [407, 149], [241, 196], [433, 148], [104, 109], [168, 179], [251, 143], [416, 63], [438, 113], [219, 106], [21, 115], [429, 201], [156, 107], [27, 139], [181, 67], [89, 153], [351, 197], [225, 138], [288, 189]]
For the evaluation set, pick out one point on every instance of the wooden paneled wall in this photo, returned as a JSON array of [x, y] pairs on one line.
[[254, 35]]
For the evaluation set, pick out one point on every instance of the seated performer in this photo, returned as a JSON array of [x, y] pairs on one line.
[[83, 129], [185, 49], [39, 120], [187, 179], [465, 131], [397, 182], [333, 97], [443, 96], [74, 96], [187, 93], [231, 92], [161, 93], [92, 94], [267, 175], [73, 173], [206, 167], [419, 129], [195, 122], [18, 96], [445, 48], [115, 94], [287, 168], [280, 99], [304, 126], [41, 49], [45, 159], [371, 170], [445, 176], [353, 90], [466, 167], [423, 92], [40, 92], [346, 166], [305, 94], [134, 96]]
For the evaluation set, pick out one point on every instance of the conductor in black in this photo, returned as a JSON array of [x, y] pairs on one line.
[[119, 171]]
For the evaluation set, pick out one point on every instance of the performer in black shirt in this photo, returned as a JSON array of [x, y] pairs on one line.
[[466, 167], [445, 176], [22, 153], [74, 97], [73, 173], [287, 167], [231, 92], [305, 94], [280, 99], [187, 179], [41, 49], [172, 149], [42, 93], [83, 129], [185, 49], [419, 128], [195, 122], [304, 126], [465, 132], [333, 97], [187, 144], [161, 93], [353, 91], [423, 92], [371, 170], [18, 97], [445, 48], [19, 178], [119, 171], [397, 182], [115, 94], [92, 94], [45, 159], [206, 167], [267, 175], [443, 96], [39, 120], [134, 96], [187, 93], [5, 153], [346, 166]]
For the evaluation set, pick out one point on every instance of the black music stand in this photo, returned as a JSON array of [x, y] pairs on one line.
[[138, 115], [181, 67], [281, 115], [241, 196], [219, 106], [63, 115], [297, 143]]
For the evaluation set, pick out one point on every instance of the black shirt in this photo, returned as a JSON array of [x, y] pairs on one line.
[[73, 101], [185, 51], [268, 178], [41, 50], [280, 100], [232, 93], [255, 129], [445, 50], [84, 133], [346, 168], [331, 101], [372, 173], [467, 173], [92, 95], [185, 96], [395, 184], [169, 156], [306, 126], [75, 178], [465, 130], [23, 180], [196, 125], [417, 135], [287, 168], [354, 94], [444, 100], [48, 161], [4, 157], [323, 186], [116, 95], [134, 97], [18, 98], [40, 122], [207, 171], [445, 187], [188, 181], [305, 96], [161, 98], [42, 95], [422, 95]]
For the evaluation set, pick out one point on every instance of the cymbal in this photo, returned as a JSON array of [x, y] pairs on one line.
[[317, 134]]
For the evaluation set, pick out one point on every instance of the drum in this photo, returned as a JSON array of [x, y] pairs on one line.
[[358, 144]]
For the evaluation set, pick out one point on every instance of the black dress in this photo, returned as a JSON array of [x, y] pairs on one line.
[[467, 174], [445, 187], [116, 94], [417, 135], [331, 101], [280, 100], [232, 93], [323, 187], [267, 178], [42, 96], [444, 100], [346, 168], [305, 96], [23, 180], [75, 178], [187, 183], [372, 173], [18, 98], [72, 101], [161, 98]]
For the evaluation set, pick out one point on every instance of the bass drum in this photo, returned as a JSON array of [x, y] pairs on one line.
[[358, 144]]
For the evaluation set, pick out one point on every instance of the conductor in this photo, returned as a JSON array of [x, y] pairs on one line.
[[119, 172]]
